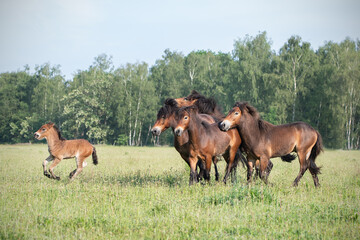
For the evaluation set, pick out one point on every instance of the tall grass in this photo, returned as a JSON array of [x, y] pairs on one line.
[[143, 193]]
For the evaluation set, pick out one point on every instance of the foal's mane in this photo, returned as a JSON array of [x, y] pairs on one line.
[[58, 131], [205, 105], [262, 124]]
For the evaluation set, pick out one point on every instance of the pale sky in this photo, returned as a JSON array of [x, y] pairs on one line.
[[71, 33]]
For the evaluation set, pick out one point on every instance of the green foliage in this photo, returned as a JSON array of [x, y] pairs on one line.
[[118, 105]]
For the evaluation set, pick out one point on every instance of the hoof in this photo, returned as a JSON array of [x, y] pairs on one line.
[[47, 174], [57, 178], [72, 173]]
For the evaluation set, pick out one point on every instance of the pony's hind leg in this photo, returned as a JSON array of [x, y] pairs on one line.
[[304, 164], [51, 168], [314, 173], [314, 170]]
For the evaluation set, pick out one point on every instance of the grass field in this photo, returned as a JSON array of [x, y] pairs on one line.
[[143, 193]]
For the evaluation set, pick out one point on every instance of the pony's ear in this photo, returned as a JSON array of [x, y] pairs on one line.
[[51, 124], [170, 102]]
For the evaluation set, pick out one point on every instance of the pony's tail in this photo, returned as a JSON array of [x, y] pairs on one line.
[[94, 157], [315, 151], [241, 158], [288, 158]]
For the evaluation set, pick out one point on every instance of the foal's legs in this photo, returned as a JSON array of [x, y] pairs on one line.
[[79, 164], [48, 159], [52, 166]]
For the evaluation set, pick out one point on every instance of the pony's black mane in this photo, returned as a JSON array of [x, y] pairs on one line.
[[245, 106], [58, 131], [170, 106], [180, 112], [205, 105]]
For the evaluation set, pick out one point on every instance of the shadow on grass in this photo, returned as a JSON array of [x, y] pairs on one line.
[[241, 193], [168, 178]]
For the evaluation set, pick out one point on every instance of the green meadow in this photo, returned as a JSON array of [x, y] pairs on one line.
[[143, 193]]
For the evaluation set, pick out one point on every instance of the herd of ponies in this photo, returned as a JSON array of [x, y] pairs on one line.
[[203, 135]]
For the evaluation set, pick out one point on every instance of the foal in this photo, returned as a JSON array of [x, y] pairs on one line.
[[206, 141], [60, 148]]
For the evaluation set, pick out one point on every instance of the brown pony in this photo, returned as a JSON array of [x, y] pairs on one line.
[[60, 148], [209, 106], [165, 119], [206, 141], [263, 140]]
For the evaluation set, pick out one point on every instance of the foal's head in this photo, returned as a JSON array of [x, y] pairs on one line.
[[46, 130], [43, 131], [164, 117], [182, 119]]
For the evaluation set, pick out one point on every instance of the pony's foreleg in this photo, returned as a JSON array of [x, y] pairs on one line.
[[193, 173], [215, 160], [230, 161], [208, 160], [250, 167], [264, 161], [234, 167], [48, 159], [201, 170], [52, 166]]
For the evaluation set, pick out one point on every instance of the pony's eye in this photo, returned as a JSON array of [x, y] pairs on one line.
[[186, 117], [43, 129], [236, 113], [185, 99]]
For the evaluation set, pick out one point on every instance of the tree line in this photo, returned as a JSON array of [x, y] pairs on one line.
[[118, 105]]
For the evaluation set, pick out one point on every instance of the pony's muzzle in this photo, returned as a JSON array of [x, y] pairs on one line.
[[36, 135], [178, 131], [156, 131], [224, 125]]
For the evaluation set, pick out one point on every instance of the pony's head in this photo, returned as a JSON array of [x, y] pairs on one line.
[[182, 119], [236, 115], [204, 104], [164, 117], [46, 130], [187, 101]]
